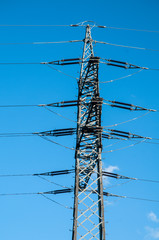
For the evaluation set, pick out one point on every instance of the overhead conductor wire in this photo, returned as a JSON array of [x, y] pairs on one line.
[[121, 177], [49, 140], [131, 145], [50, 199], [133, 119], [134, 198], [116, 79], [58, 114], [32, 134], [124, 46], [41, 63], [131, 29], [34, 25], [40, 105], [76, 25], [36, 43], [61, 72], [105, 193], [105, 174], [120, 184], [57, 184], [39, 193]]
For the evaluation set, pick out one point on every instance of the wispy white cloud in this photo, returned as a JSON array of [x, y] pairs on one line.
[[153, 217], [108, 203], [152, 232], [111, 169]]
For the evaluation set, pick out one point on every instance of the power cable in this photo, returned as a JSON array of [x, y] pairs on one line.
[[39, 105], [108, 136], [57, 184], [123, 134], [154, 69], [145, 141], [121, 64], [32, 134], [116, 79], [135, 198], [49, 174], [50, 199], [112, 134], [130, 29], [36, 43], [127, 106], [47, 25], [17, 194], [75, 103], [116, 185], [59, 114], [16, 134], [74, 25], [56, 104], [8, 106], [122, 139], [49, 140], [63, 62], [130, 120], [147, 180], [121, 177], [125, 65], [118, 45], [34, 25], [61, 72], [113, 144], [151, 142], [39, 193], [54, 192], [45, 63], [67, 190], [16, 175], [131, 145], [17, 63], [63, 172], [142, 199]]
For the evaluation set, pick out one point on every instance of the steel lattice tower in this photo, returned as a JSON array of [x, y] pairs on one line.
[[88, 216]]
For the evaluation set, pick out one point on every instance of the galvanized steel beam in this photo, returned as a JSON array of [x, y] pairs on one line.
[[88, 216]]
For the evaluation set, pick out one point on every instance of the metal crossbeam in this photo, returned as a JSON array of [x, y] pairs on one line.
[[88, 221]]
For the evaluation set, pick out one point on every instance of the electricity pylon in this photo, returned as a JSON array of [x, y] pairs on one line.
[[88, 216]]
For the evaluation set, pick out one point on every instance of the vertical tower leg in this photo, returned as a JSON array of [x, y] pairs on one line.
[[88, 216]]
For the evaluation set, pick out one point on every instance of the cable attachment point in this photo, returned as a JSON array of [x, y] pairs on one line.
[[74, 25], [67, 190], [64, 104], [117, 176], [55, 173], [66, 61], [58, 132], [112, 195]]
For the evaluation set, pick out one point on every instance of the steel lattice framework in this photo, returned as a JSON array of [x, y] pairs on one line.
[[88, 216]]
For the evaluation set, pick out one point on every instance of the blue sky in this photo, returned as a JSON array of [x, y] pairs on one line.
[[34, 217]]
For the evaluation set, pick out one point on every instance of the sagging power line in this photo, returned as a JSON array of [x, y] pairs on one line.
[[69, 190], [78, 25], [124, 46], [73, 103], [72, 61], [110, 133], [70, 171]]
